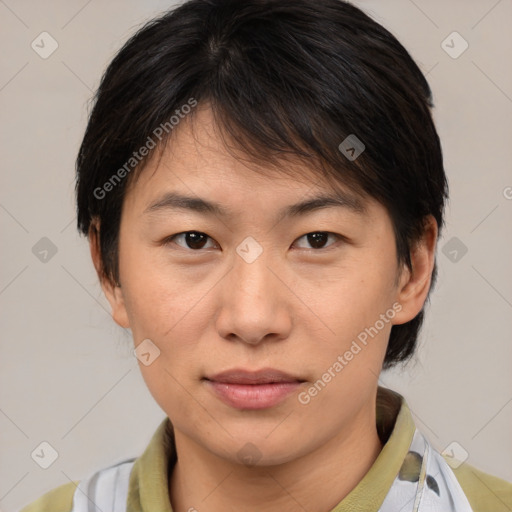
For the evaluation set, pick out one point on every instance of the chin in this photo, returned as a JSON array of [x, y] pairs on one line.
[[253, 450]]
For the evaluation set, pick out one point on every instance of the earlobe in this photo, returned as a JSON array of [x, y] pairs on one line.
[[112, 291], [414, 283], [116, 300]]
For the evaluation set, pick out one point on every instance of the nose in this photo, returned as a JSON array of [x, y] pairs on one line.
[[255, 302]]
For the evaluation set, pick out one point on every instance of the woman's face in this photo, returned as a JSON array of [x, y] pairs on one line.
[[249, 291]]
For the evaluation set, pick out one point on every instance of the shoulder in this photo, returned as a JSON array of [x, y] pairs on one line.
[[484, 492], [59, 499]]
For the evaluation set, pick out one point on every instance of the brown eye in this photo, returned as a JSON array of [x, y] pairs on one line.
[[194, 240], [318, 239]]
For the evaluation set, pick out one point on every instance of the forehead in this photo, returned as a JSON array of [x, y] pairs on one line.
[[198, 145], [198, 163]]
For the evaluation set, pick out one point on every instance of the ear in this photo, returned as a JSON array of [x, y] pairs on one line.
[[112, 291], [414, 285]]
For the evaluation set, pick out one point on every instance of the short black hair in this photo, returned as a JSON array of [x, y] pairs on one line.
[[282, 77]]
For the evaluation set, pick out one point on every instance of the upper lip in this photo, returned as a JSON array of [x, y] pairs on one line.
[[263, 376]]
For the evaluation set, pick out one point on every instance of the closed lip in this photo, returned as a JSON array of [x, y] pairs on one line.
[[262, 376]]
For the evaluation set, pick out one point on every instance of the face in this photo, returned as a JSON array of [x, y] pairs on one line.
[[266, 323]]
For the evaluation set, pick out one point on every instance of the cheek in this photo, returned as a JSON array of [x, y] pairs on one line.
[[346, 363], [155, 298], [173, 392], [354, 299], [166, 308], [356, 313]]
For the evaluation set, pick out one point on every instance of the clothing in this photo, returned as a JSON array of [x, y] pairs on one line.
[[425, 483], [396, 466]]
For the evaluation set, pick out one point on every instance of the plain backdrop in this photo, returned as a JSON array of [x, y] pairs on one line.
[[67, 373]]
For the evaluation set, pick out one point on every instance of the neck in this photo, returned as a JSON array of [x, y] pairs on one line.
[[318, 480]]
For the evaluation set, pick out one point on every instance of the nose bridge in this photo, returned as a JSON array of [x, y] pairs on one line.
[[252, 303], [252, 273]]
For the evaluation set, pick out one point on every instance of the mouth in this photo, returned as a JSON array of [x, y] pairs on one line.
[[261, 389]]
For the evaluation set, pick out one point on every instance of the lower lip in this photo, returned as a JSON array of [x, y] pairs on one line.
[[253, 396]]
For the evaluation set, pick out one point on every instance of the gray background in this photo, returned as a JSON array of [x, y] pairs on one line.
[[67, 373]]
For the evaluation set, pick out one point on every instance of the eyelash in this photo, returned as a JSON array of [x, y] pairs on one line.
[[170, 240]]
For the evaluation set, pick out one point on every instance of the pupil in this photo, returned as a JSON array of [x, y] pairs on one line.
[[317, 240], [192, 240]]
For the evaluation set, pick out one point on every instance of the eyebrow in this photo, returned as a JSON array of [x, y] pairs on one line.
[[174, 201]]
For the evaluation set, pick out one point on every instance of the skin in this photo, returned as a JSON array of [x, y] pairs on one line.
[[296, 308]]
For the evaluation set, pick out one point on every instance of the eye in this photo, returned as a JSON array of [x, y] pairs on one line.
[[194, 240], [318, 239]]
